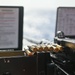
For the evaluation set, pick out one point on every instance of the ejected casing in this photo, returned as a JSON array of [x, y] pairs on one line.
[[59, 47], [40, 48], [46, 48], [28, 52], [33, 48], [55, 49], [50, 48], [43, 47]]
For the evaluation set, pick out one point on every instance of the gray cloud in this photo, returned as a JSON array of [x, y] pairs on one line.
[[40, 24]]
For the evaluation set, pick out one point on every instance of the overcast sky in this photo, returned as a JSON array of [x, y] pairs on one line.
[[39, 16], [44, 4]]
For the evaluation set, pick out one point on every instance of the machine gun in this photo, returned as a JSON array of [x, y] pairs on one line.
[[64, 60], [62, 55]]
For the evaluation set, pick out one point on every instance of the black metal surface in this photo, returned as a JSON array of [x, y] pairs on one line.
[[42, 60], [50, 69], [65, 60], [18, 66]]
